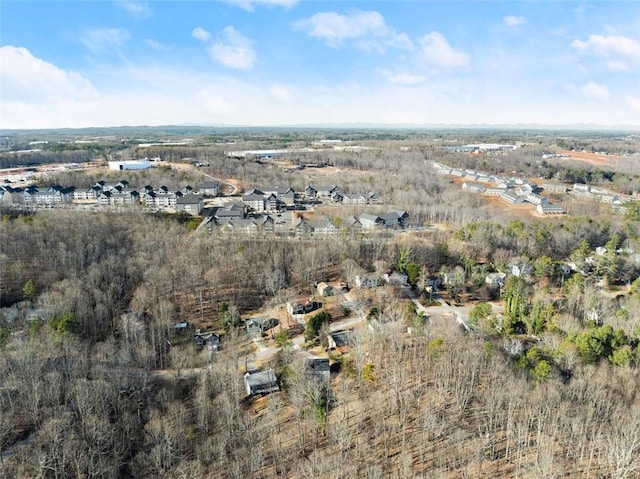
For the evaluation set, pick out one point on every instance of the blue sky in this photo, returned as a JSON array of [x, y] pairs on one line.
[[296, 62]]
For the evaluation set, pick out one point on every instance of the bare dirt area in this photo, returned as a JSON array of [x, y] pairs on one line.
[[595, 159], [523, 209]]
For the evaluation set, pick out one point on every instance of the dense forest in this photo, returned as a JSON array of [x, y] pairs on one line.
[[95, 381]]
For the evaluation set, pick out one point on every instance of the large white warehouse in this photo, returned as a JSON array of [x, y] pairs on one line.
[[129, 165]]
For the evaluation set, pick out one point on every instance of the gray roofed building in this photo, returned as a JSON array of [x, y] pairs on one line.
[[340, 339], [370, 221], [230, 210], [191, 204], [319, 368], [324, 226], [327, 191], [209, 339], [395, 219], [354, 199], [254, 199], [261, 382], [258, 324], [209, 188], [284, 194]]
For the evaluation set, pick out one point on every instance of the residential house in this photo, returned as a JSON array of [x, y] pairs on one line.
[[267, 223], [369, 221], [395, 219], [549, 209], [354, 199], [324, 227], [301, 226], [369, 281], [209, 339], [325, 289], [88, 194], [327, 192], [104, 198], [124, 197], [148, 198], [510, 198], [340, 340], [191, 204], [253, 200], [283, 194], [372, 198], [310, 191], [397, 278], [242, 226], [257, 325], [495, 279], [165, 199], [554, 187], [535, 199], [473, 186], [337, 197], [319, 368], [209, 188], [47, 198], [261, 382], [521, 269], [271, 202], [303, 308], [230, 210]]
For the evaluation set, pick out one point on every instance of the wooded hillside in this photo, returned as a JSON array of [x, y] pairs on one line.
[[542, 380]]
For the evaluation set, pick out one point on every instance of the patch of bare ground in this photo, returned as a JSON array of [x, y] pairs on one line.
[[520, 210], [596, 159]]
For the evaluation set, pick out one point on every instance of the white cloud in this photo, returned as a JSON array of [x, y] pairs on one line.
[[281, 93], [596, 92], [137, 9], [105, 40], [513, 21], [27, 78], [156, 45], [334, 29], [405, 78], [250, 5], [201, 34], [634, 102], [233, 50], [400, 41], [436, 51], [623, 52], [37, 94]]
